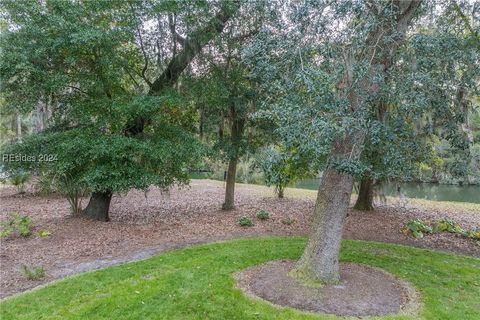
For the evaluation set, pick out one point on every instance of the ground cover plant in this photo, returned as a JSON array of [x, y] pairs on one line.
[[418, 228], [34, 273], [16, 224], [197, 283], [245, 222]]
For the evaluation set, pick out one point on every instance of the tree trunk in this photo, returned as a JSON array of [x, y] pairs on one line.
[[236, 134], [41, 115], [229, 202], [18, 126], [319, 261], [280, 193], [98, 206], [365, 195]]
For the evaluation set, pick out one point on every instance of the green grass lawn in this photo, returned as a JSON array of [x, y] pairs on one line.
[[197, 283]]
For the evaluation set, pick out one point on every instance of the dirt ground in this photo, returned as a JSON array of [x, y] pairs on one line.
[[363, 291], [144, 224]]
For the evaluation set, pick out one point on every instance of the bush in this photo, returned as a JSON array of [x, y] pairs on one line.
[[474, 234], [19, 179], [288, 221], [263, 215], [417, 227], [36, 273], [282, 168], [245, 222], [45, 185], [16, 224], [74, 192]]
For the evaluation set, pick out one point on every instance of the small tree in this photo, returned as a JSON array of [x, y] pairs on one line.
[[282, 168]]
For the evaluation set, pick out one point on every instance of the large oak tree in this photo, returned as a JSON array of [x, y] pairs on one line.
[[111, 68], [330, 73]]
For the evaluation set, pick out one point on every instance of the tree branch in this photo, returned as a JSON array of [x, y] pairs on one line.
[[371, 7], [172, 20], [145, 56], [458, 10], [78, 89], [193, 45]]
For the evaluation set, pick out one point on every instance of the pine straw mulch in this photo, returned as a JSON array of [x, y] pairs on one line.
[[144, 224]]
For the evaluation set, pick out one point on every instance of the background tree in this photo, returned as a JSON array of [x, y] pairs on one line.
[[282, 167], [226, 97], [447, 48]]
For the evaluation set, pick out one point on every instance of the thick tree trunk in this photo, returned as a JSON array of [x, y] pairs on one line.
[[365, 195], [229, 202], [319, 261], [98, 206]]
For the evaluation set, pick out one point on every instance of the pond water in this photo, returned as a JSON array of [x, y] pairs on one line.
[[438, 192]]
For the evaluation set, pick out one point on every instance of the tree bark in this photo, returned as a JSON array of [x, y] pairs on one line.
[[18, 126], [98, 206], [365, 195], [281, 193], [319, 261], [229, 202], [236, 133]]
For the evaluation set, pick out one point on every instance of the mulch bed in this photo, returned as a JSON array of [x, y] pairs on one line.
[[363, 291], [144, 224]]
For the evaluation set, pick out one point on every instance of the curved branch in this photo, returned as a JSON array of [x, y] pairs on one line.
[[176, 36], [193, 45], [144, 52]]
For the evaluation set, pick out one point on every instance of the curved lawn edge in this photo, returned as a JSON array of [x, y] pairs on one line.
[[152, 251], [448, 283]]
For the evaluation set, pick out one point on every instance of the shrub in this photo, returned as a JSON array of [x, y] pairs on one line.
[[35, 273], [417, 227], [45, 185], [473, 234], [73, 191], [282, 167], [19, 179], [288, 221], [16, 224], [263, 215], [245, 222]]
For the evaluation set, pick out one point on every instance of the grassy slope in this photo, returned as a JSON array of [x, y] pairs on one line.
[[196, 283]]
